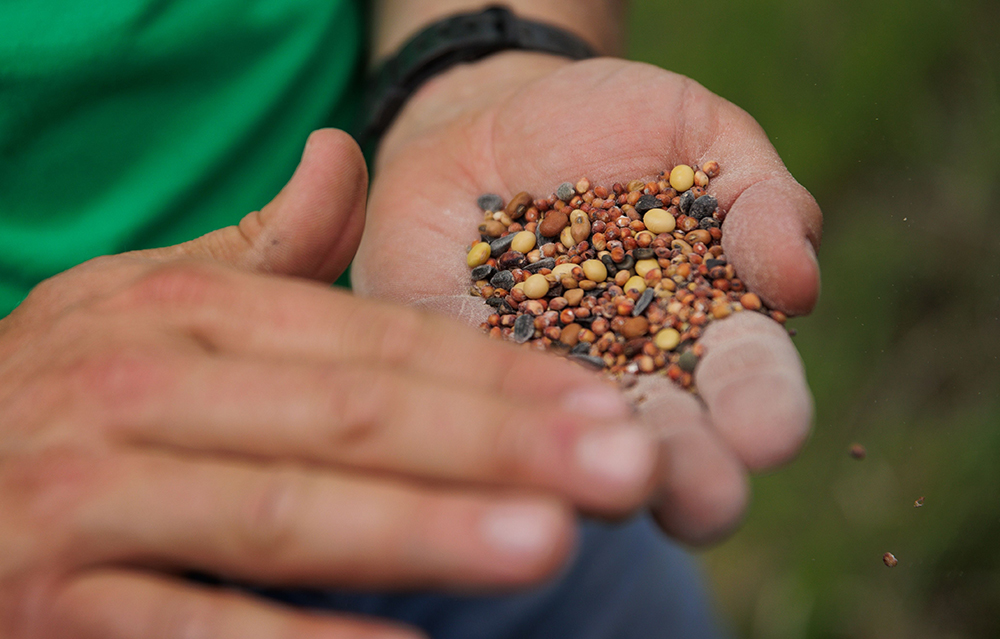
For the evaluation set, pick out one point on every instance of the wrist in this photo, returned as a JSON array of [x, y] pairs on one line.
[[462, 92]]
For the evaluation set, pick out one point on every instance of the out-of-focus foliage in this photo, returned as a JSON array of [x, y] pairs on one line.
[[889, 112]]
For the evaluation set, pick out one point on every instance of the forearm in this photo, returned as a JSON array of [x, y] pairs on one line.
[[599, 22]]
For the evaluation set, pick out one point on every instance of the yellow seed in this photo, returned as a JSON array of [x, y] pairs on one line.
[[518, 287], [645, 266], [667, 339], [566, 237], [536, 286], [478, 254], [523, 242], [659, 221], [563, 270], [594, 270], [682, 177], [635, 282]]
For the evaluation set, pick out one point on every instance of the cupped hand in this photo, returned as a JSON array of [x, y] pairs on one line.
[[215, 406], [528, 122]]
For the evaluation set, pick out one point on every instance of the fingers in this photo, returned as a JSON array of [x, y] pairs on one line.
[[311, 229], [380, 420], [119, 604], [283, 524], [284, 319], [701, 487], [753, 383]]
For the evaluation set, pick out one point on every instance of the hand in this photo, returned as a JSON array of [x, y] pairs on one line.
[[208, 407], [520, 121]]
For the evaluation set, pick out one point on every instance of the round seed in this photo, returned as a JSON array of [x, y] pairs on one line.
[[536, 286], [565, 192], [682, 178], [595, 270], [635, 283], [659, 221], [645, 266], [490, 202], [667, 339], [523, 242]]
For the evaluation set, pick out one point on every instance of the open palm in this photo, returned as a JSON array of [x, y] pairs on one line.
[[611, 121]]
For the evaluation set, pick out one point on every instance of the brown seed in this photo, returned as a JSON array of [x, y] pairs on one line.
[[857, 451], [553, 224], [635, 327], [889, 560], [570, 335], [698, 235], [711, 168], [518, 205]]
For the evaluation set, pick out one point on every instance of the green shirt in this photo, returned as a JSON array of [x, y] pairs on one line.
[[130, 124]]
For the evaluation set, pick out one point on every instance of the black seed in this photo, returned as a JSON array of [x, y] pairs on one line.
[[482, 272], [703, 206], [501, 245], [688, 361], [644, 253], [588, 360], [643, 303], [610, 265], [626, 264], [687, 199], [490, 202], [545, 262], [712, 263], [566, 191], [524, 328], [708, 223], [647, 202], [582, 348], [556, 290], [511, 260], [503, 279]]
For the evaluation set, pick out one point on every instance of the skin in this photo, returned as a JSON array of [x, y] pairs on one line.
[[525, 121], [215, 406]]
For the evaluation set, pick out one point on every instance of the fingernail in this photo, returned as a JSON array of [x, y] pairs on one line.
[[623, 454], [597, 401], [520, 529]]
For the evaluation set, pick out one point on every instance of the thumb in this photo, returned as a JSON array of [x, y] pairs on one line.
[[310, 229]]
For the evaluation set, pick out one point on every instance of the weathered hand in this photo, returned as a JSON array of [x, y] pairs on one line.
[[208, 407], [529, 122]]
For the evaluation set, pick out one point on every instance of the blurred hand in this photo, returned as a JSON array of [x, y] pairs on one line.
[[520, 121], [208, 407]]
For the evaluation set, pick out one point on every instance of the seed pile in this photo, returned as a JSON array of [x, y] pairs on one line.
[[623, 278]]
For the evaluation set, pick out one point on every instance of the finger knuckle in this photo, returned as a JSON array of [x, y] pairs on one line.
[[180, 286], [400, 336], [190, 618], [362, 410], [273, 503], [117, 381]]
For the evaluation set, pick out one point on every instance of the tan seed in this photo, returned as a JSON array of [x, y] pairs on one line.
[[573, 296], [492, 228], [645, 266], [750, 301], [593, 269], [635, 327], [523, 242], [571, 334], [566, 237], [659, 221], [635, 283], [536, 286]]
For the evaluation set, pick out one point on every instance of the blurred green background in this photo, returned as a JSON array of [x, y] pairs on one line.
[[889, 112]]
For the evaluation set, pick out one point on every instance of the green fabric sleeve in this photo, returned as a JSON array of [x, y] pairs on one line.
[[129, 124]]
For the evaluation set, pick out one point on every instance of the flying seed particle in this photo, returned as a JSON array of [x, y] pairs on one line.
[[858, 452], [889, 560]]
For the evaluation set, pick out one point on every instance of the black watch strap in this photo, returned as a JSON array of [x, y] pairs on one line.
[[451, 41]]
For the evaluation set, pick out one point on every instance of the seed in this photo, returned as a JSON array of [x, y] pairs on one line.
[[682, 177], [566, 237], [579, 225], [490, 202], [565, 192], [553, 224], [889, 560], [583, 186], [478, 254], [574, 296], [634, 283], [750, 301], [711, 168], [918, 503], [644, 301], [635, 327], [524, 328], [667, 339], [700, 178], [536, 286], [857, 451], [501, 245], [570, 334], [595, 270], [518, 205], [659, 221], [703, 207], [688, 361], [647, 202], [523, 242]]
